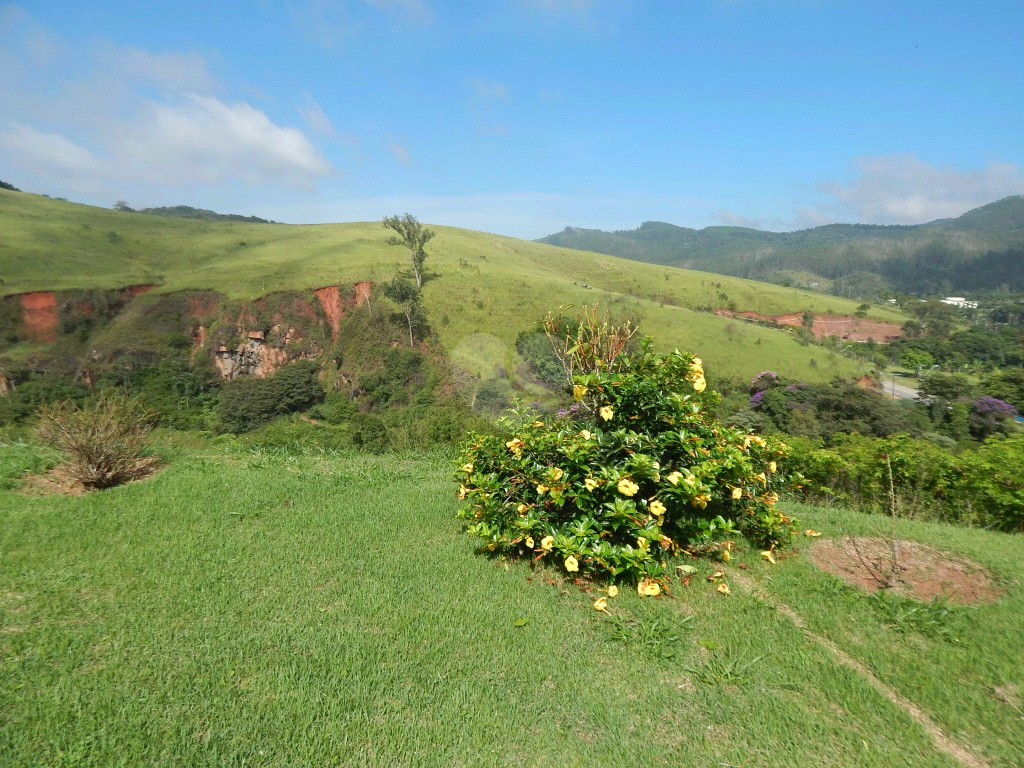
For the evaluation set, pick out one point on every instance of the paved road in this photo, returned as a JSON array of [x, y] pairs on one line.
[[898, 390]]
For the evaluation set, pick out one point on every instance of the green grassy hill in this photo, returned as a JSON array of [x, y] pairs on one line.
[[484, 289]]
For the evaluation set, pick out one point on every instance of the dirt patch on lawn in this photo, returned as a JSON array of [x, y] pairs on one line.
[[59, 482], [53, 482], [915, 570]]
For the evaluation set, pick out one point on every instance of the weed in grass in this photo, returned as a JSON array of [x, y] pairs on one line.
[[937, 619], [832, 588], [725, 665], [656, 635]]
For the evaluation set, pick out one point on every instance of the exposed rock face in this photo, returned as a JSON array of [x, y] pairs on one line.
[[244, 338], [251, 358], [42, 311], [335, 306], [255, 356], [39, 316]]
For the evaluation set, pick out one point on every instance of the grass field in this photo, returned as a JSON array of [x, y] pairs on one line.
[[482, 285], [281, 609]]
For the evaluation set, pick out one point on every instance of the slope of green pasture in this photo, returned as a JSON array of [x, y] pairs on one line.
[[481, 283], [248, 608]]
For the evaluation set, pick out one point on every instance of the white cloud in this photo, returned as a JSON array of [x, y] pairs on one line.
[[902, 189], [330, 22], [488, 90], [727, 218], [49, 154], [315, 116], [401, 154], [203, 139], [171, 71], [108, 121]]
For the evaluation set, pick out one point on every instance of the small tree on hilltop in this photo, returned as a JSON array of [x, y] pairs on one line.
[[413, 236]]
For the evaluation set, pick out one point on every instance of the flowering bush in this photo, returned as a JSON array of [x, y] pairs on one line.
[[642, 474]]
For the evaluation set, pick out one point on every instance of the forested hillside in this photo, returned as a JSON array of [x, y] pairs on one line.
[[983, 250]]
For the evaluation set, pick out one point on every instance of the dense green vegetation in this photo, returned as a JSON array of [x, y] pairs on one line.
[[954, 455], [273, 607], [981, 250], [637, 471]]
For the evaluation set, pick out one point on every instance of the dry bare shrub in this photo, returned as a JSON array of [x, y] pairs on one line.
[[103, 441]]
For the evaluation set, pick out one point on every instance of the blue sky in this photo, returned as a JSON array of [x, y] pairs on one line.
[[520, 117]]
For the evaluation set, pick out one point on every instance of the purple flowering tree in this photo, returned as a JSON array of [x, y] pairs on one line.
[[764, 380], [988, 415]]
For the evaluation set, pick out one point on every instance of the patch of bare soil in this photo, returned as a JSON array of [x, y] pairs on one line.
[[907, 568], [53, 482], [59, 482]]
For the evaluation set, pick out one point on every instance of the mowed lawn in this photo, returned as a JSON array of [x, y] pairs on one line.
[[249, 608]]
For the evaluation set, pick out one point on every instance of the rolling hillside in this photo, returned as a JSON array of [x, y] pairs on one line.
[[484, 289], [982, 249]]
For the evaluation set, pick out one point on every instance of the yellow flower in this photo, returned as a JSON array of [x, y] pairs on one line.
[[657, 508], [641, 542], [547, 543], [556, 474], [760, 476], [700, 500], [758, 441], [467, 467], [521, 509], [772, 466], [607, 412], [601, 604], [700, 384], [516, 446], [462, 492], [586, 434], [591, 483], [571, 565], [811, 532], [767, 555], [627, 487], [529, 541], [690, 480], [541, 488], [771, 498], [696, 363], [737, 493], [675, 477], [648, 588], [724, 588], [537, 424], [579, 392], [613, 591]]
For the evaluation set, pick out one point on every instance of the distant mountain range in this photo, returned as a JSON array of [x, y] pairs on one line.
[[982, 250]]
